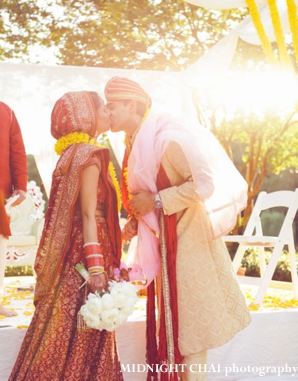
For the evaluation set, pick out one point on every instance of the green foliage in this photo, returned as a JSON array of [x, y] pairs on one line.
[[19, 271], [268, 140], [283, 269], [250, 262], [139, 34], [272, 222], [260, 137], [285, 180]]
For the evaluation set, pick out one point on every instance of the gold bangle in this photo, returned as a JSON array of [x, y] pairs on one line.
[[96, 270], [98, 273]]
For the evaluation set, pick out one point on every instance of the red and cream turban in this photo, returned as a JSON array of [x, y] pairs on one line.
[[119, 88]]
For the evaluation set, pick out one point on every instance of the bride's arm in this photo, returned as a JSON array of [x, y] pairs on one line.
[[88, 201]]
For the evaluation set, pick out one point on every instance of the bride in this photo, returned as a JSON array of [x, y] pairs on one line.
[[81, 226]]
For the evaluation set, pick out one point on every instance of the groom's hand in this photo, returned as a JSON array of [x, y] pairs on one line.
[[142, 202]]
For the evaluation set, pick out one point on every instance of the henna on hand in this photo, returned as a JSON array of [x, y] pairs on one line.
[[98, 282]]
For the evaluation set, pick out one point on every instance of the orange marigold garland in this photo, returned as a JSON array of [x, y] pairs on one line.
[[125, 175], [125, 189], [113, 175]]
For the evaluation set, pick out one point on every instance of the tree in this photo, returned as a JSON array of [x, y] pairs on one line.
[[259, 142], [139, 34], [154, 35]]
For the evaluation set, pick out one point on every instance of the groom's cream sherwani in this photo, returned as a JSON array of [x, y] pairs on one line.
[[212, 308]]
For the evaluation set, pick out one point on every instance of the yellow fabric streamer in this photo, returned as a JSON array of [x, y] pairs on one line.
[[293, 22], [279, 35], [256, 18]]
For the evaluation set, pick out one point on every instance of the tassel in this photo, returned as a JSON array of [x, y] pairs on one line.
[[151, 344], [81, 324]]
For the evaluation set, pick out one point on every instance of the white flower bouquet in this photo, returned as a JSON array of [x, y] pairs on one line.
[[109, 309]]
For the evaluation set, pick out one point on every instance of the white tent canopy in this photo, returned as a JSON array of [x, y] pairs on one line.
[[220, 56], [222, 4]]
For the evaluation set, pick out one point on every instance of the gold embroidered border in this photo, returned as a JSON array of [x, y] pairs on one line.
[[166, 293]]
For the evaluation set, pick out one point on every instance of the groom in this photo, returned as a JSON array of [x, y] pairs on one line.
[[171, 176]]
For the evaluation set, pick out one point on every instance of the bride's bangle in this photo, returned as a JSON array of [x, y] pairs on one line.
[[94, 257], [98, 273]]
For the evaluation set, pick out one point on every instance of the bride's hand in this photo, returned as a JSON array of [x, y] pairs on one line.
[[130, 230], [98, 282]]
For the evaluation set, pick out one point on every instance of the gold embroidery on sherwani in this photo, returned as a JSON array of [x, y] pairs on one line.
[[166, 294]]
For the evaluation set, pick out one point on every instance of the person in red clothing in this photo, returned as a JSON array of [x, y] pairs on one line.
[[13, 180]]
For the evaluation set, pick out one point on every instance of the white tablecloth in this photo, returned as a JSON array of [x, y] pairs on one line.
[[266, 350]]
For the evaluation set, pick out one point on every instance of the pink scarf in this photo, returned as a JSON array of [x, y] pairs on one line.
[[216, 179]]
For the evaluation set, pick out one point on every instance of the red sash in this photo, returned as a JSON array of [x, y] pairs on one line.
[[159, 356]]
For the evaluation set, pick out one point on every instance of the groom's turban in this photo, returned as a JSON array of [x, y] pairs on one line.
[[119, 88]]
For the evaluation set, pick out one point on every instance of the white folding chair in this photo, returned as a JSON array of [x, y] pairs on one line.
[[26, 224], [253, 237]]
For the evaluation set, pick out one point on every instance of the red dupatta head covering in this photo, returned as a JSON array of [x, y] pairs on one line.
[[74, 112]]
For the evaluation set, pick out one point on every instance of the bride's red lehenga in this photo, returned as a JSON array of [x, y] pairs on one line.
[[53, 348]]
